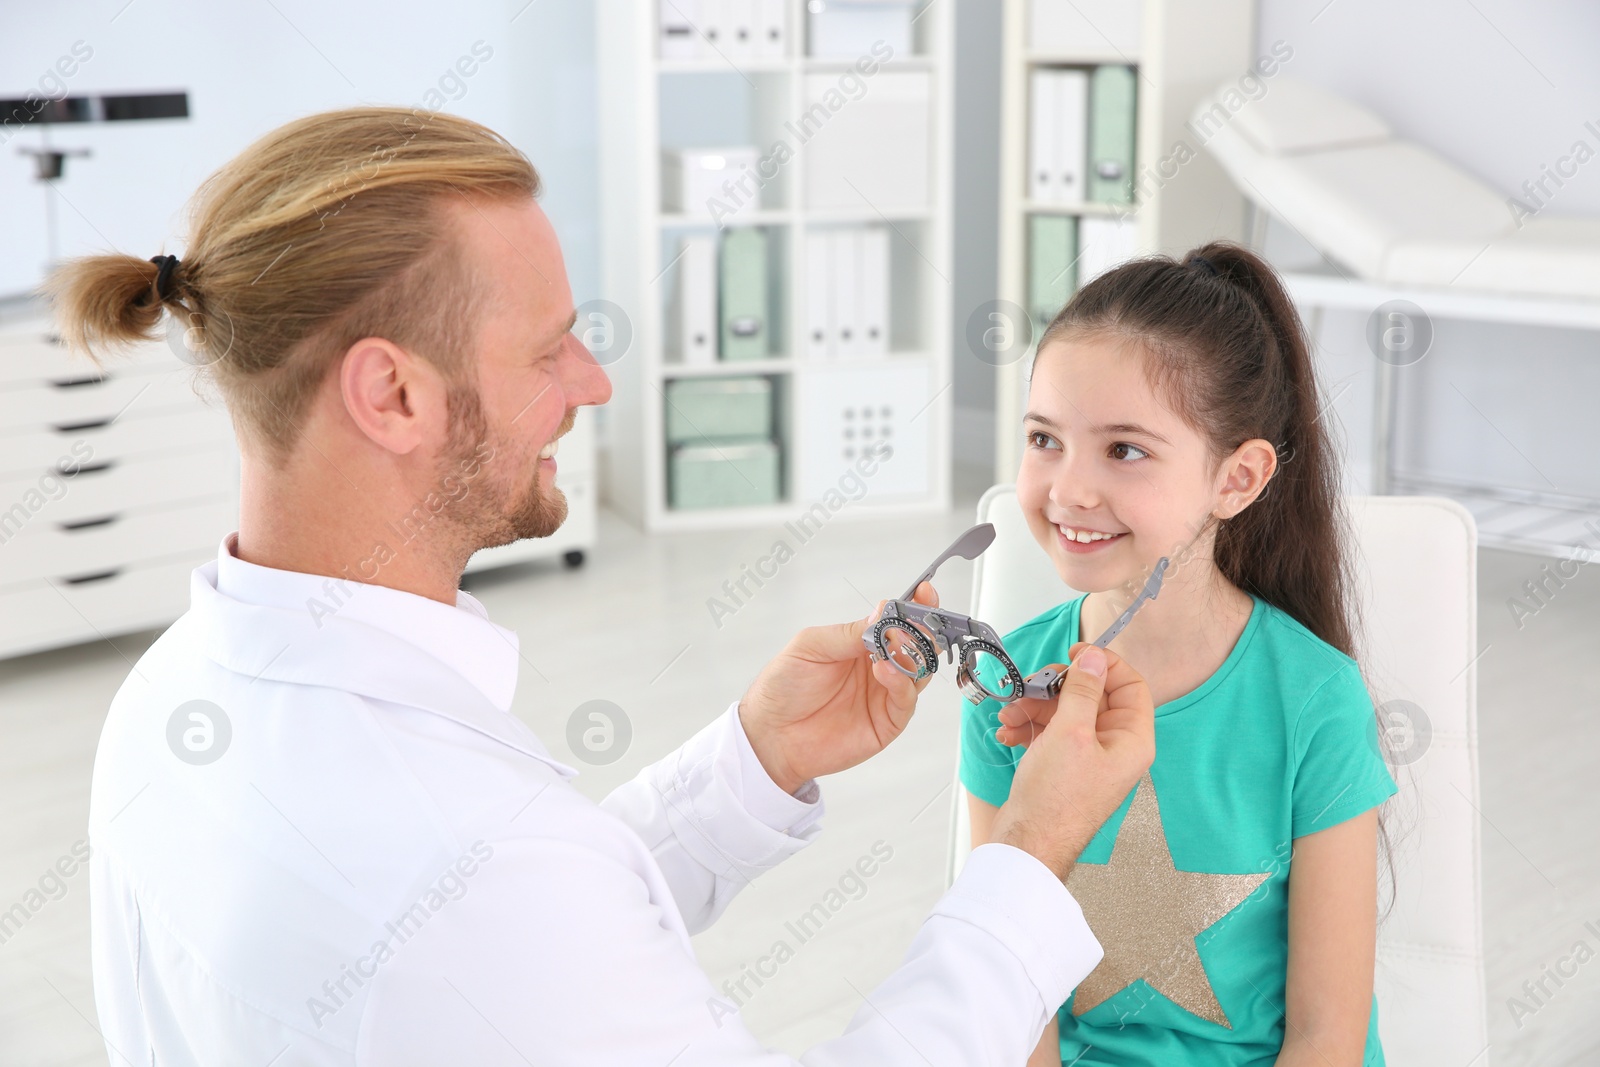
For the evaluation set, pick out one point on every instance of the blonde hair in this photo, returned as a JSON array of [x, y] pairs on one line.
[[328, 229]]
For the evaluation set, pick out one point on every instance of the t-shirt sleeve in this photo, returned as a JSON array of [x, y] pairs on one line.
[[1339, 767], [987, 766]]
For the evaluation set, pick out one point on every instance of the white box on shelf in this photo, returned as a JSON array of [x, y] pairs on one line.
[[1089, 28], [847, 29], [1104, 242], [679, 29], [875, 412], [871, 153], [694, 306], [695, 179]]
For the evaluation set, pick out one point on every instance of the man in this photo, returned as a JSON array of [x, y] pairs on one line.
[[318, 834]]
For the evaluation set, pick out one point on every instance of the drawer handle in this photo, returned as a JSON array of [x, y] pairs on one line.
[[73, 383], [86, 524], [74, 427], [87, 468], [99, 576]]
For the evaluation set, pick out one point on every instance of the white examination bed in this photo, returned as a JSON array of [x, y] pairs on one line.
[[1397, 223]]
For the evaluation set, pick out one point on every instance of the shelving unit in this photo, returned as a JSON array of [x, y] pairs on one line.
[[1184, 50], [648, 103]]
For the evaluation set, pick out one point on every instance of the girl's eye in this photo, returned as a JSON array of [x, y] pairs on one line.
[[1123, 444], [1036, 437]]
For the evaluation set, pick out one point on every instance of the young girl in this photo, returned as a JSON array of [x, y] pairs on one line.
[[1173, 411]]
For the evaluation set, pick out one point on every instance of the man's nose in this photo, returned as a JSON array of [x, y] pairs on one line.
[[588, 382]]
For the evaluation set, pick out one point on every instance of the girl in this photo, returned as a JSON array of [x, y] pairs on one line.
[[1173, 411]]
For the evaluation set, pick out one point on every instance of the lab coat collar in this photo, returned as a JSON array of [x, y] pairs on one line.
[[377, 642]]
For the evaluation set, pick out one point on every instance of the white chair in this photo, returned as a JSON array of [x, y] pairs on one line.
[[1417, 574]]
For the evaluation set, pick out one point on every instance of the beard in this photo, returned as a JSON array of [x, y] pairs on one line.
[[508, 500]]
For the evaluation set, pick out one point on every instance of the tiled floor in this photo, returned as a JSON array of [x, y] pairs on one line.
[[633, 627]]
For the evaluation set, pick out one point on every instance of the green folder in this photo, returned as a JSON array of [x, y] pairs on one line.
[[742, 285], [1052, 266], [1111, 124]]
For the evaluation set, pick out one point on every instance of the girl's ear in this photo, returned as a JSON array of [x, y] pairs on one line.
[[1245, 475]]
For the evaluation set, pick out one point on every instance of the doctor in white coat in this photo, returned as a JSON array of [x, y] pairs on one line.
[[318, 834]]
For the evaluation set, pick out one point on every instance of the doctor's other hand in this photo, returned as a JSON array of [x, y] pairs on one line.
[[822, 705], [1099, 739]]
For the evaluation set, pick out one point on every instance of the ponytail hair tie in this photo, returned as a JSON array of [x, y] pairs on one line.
[[168, 264], [1204, 264]]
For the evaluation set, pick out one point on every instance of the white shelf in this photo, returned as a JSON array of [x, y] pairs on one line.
[[1087, 57], [637, 238], [730, 367], [1185, 50], [1082, 207]]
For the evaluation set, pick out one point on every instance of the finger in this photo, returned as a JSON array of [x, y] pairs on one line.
[[900, 700], [1081, 691], [926, 594], [1127, 708]]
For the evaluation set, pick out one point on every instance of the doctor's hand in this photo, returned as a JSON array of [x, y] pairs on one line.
[[1097, 740], [823, 706]]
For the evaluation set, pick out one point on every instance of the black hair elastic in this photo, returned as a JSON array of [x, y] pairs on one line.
[[1204, 264], [168, 264]]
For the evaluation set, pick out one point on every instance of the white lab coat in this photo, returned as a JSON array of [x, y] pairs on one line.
[[385, 866]]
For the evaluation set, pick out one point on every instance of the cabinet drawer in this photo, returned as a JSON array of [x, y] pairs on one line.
[[103, 487], [32, 354], [25, 454], [40, 615], [38, 545], [86, 398]]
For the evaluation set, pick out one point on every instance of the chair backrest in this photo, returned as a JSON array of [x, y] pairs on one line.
[[1416, 572]]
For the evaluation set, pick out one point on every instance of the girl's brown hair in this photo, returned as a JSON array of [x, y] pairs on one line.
[[328, 229], [1225, 349]]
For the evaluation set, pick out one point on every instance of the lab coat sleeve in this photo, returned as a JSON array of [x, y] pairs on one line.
[[714, 819], [558, 954]]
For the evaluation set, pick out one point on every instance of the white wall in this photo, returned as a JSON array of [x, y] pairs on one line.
[[250, 67]]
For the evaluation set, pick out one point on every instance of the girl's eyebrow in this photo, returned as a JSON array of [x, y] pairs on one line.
[[1108, 429]]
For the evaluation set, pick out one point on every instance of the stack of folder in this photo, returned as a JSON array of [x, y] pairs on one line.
[[721, 308], [1065, 251], [1081, 135], [847, 293], [723, 29]]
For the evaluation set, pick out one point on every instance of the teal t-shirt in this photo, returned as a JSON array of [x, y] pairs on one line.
[[1280, 742]]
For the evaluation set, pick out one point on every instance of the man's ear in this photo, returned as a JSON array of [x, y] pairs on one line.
[[1246, 474], [396, 399]]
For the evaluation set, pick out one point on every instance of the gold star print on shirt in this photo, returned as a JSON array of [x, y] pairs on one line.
[[1146, 914]]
